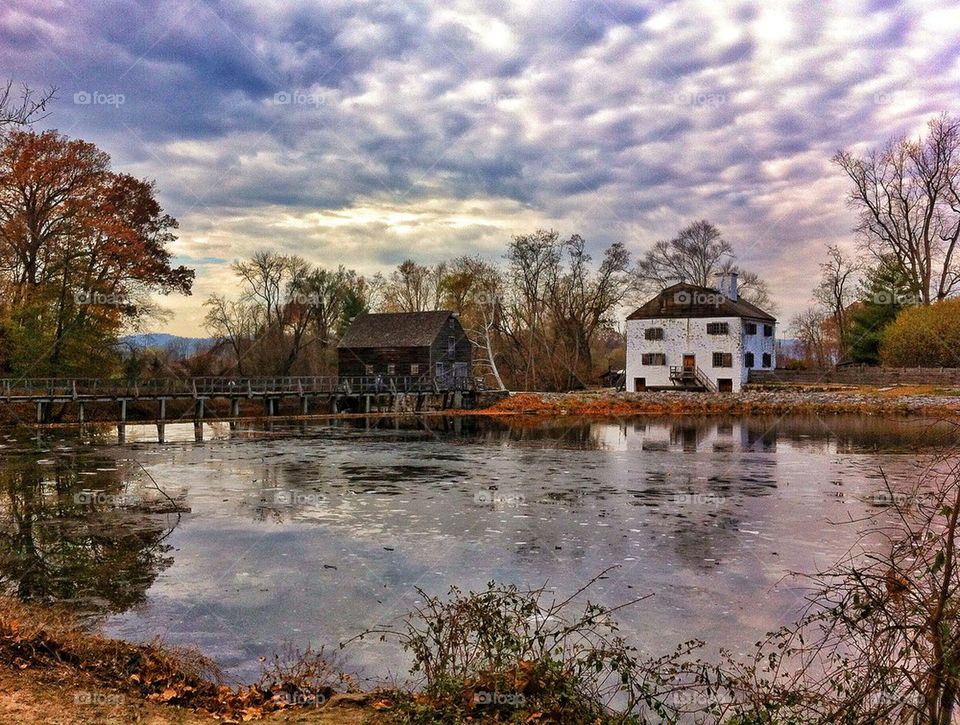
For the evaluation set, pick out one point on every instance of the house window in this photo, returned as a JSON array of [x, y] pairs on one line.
[[723, 360], [452, 324], [368, 369], [391, 369], [451, 346], [768, 330], [653, 358], [767, 360], [748, 359], [653, 333], [718, 328], [750, 328], [414, 368]]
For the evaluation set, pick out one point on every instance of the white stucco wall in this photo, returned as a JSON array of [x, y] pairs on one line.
[[688, 336]]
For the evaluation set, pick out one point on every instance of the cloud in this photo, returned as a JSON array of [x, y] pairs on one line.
[[362, 133]]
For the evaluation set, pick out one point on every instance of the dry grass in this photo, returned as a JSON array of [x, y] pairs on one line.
[[53, 671]]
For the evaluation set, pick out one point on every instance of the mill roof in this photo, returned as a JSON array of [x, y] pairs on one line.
[[395, 329]]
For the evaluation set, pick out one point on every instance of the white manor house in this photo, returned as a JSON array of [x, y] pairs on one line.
[[697, 338]]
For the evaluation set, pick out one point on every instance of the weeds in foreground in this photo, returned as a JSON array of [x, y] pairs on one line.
[[508, 654]]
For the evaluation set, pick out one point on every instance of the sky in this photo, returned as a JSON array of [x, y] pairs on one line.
[[365, 133]]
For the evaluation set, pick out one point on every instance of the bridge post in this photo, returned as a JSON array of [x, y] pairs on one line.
[[304, 405], [366, 404], [458, 400], [122, 425], [40, 411], [80, 412], [234, 412], [198, 420], [161, 418]]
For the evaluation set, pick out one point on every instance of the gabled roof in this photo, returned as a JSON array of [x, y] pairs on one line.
[[395, 329], [690, 300]]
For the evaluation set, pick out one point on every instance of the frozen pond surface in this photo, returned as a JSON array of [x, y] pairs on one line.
[[309, 534]]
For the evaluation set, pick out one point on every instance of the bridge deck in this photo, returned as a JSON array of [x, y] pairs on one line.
[[104, 390]]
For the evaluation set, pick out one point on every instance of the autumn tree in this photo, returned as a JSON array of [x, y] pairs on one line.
[[924, 336], [907, 198], [82, 249]]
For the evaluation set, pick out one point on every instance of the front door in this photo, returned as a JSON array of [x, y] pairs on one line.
[[689, 362]]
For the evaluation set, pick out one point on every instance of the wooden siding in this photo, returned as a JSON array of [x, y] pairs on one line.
[[352, 362], [439, 350]]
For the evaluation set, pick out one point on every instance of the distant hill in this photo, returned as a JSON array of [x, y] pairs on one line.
[[185, 346]]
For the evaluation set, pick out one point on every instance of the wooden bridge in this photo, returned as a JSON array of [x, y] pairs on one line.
[[358, 394]]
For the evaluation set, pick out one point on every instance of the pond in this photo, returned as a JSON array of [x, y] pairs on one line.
[[309, 533]]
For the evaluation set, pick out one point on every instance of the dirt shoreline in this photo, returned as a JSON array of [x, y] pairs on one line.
[[54, 671]]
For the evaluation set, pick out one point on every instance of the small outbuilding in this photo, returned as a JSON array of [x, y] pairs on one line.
[[698, 338], [418, 346]]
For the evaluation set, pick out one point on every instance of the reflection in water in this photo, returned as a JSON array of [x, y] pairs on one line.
[[77, 532], [312, 533]]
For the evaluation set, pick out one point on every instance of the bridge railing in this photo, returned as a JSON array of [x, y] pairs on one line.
[[13, 388]]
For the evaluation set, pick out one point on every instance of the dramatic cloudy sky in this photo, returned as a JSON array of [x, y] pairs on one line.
[[363, 133]]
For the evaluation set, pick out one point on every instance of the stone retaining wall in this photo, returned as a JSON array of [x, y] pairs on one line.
[[860, 375]]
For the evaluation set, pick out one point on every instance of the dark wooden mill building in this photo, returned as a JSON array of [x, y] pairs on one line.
[[406, 346]]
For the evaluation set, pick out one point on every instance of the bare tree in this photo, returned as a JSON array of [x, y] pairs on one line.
[[695, 256], [808, 326], [413, 287], [555, 305], [907, 196], [25, 108], [265, 278], [235, 324], [534, 260], [837, 291], [474, 288]]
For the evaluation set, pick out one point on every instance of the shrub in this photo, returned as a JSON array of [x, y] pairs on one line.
[[924, 336], [511, 655]]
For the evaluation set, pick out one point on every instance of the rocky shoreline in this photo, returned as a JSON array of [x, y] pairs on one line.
[[910, 401]]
